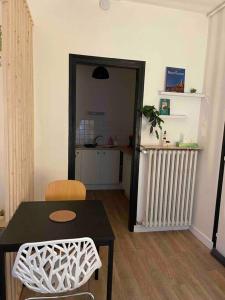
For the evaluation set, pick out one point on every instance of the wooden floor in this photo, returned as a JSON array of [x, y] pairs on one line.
[[155, 266]]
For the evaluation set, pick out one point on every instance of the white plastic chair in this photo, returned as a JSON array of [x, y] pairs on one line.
[[56, 267]]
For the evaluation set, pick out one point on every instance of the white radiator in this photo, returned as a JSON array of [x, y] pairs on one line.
[[170, 188]]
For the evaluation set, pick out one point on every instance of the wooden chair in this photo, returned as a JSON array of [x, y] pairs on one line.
[[65, 190]]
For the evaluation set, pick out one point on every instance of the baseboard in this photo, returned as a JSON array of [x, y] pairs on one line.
[[198, 234], [201, 237], [141, 228], [218, 256]]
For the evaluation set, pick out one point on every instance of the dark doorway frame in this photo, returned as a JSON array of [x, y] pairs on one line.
[[139, 66], [219, 192]]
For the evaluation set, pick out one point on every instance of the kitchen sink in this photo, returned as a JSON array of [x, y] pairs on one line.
[[106, 146], [99, 146], [90, 145]]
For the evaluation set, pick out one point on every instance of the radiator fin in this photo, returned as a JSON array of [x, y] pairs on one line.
[[170, 187]]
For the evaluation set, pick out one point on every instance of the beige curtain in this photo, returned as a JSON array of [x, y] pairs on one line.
[[211, 127]]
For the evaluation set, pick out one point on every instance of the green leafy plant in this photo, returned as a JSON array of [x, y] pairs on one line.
[[152, 114], [193, 90]]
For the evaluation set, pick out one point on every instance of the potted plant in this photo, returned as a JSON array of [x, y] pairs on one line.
[[152, 114], [193, 91]]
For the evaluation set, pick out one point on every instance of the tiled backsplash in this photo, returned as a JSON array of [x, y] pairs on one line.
[[95, 125], [85, 134]]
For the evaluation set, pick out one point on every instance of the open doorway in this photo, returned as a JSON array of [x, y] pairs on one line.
[[105, 140]]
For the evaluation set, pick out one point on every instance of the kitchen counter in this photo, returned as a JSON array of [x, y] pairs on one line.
[[124, 149], [100, 147]]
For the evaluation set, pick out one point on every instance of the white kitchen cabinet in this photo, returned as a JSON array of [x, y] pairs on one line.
[[109, 167], [98, 167], [90, 166], [127, 159]]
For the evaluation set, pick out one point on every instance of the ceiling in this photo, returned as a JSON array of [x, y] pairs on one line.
[[202, 6]]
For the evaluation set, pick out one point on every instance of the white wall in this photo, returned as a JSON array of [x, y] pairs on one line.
[[211, 130], [160, 36], [114, 97], [187, 127]]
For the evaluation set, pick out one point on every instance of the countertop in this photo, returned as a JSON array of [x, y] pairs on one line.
[[122, 148]]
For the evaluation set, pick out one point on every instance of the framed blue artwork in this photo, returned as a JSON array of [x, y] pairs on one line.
[[175, 80]]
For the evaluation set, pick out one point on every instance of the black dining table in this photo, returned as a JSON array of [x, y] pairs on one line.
[[31, 223]]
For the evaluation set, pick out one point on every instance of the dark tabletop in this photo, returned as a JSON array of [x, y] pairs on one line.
[[31, 223]]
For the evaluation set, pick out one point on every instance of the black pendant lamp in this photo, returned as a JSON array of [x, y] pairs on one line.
[[100, 73]]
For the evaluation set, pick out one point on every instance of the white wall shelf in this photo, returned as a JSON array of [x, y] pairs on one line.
[[173, 116], [190, 95]]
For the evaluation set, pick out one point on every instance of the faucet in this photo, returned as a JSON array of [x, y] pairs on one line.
[[96, 138]]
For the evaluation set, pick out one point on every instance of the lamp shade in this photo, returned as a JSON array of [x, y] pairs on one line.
[[100, 73]]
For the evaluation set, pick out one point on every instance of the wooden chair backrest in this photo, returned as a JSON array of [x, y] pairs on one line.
[[65, 190]]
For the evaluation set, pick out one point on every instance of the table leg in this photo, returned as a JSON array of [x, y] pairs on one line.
[[97, 271], [110, 270], [2, 276]]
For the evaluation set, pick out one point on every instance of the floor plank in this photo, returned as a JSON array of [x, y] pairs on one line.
[[154, 266]]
